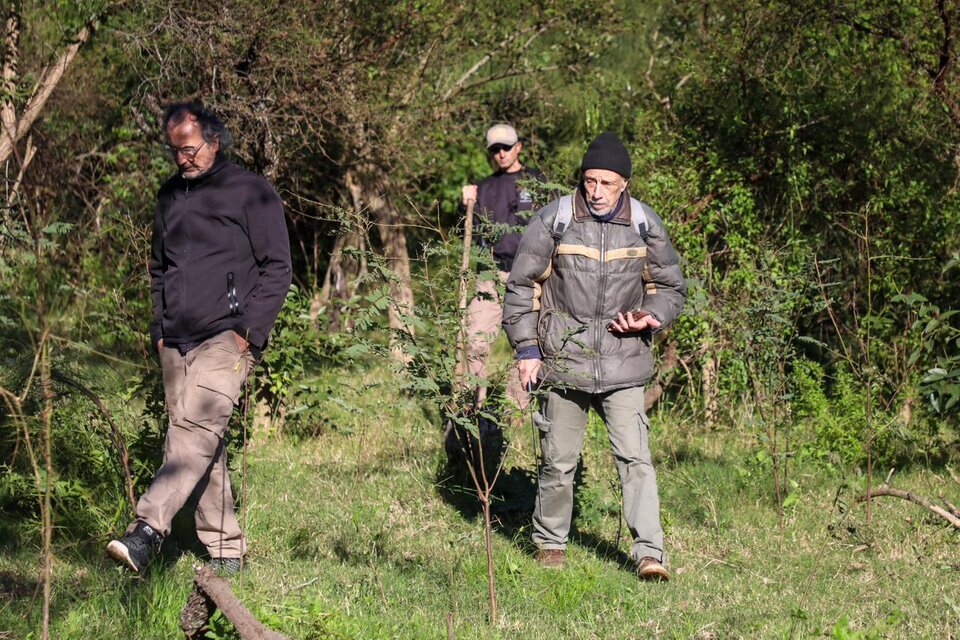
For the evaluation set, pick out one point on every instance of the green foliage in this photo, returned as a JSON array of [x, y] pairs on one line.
[[830, 425], [842, 630], [299, 346], [938, 351], [88, 486], [801, 155], [425, 358]]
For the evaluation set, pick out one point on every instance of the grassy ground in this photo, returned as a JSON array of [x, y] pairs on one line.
[[359, 534]]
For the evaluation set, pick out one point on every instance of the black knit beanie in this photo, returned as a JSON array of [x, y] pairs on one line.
[[607, 152]]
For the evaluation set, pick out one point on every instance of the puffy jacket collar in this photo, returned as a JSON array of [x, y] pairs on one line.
[[581, 211]]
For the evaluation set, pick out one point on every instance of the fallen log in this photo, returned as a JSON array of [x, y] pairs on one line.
[[950, 506], [212, 592], [884, 490]]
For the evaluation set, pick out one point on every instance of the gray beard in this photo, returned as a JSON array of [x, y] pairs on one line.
[[593, 211], [597, 213]]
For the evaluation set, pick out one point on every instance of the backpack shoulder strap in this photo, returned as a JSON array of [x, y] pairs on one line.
[[562, 220], [638, 218]]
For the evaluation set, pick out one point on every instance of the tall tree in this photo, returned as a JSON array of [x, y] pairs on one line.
[[350, 101]]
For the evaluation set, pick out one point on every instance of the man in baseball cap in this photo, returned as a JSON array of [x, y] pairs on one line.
[[503, 207]]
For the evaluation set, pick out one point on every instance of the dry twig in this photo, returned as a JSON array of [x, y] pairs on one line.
[[884, 490]]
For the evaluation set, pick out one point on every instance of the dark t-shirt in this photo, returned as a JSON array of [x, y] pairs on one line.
[[501, 203]]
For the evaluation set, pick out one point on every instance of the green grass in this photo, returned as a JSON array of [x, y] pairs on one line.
[[356, 534]]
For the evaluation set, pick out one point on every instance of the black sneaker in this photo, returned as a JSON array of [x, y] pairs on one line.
[[226, 567], [135, 549]]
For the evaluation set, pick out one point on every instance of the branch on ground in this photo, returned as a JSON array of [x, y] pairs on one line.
[[884, 490], [211, 593]]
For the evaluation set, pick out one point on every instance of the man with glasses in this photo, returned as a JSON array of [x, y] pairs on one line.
[[219, 272], [595, 277], [502, 205]]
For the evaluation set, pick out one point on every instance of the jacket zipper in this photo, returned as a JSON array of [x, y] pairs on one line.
[[597, 319], [186, 251]]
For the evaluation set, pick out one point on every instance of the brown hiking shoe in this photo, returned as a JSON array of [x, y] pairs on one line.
[[551, 558], [651, 569]]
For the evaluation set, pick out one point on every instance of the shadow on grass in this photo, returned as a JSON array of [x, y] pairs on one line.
[[513, 495], [13, 585], [513, 501], [604, 549]]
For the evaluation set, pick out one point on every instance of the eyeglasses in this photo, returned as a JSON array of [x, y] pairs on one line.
[[494, 149], [187, 152]]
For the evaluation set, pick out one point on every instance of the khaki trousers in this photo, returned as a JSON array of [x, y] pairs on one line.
[[484, 315], [201, 389], [562, 420]]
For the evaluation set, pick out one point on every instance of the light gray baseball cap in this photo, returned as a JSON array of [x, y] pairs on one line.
[[501, 134]]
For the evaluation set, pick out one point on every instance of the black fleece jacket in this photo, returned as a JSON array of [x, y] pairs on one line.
[[220, 259], [503, 205]]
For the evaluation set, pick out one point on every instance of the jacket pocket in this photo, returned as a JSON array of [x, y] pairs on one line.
[[559, 333], [545, 332], [545, 426], [209, 403], [225, 367]]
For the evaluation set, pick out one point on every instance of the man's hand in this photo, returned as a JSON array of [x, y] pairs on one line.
[[469, 193], [160, 345], [241, 342], [633, 321], [528, 371]]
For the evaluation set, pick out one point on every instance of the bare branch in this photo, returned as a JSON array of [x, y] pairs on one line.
[[28, 156], [884, 490], [219, 592], [49, 79], [426, 56], [461, 84], [828, 306], [510, 74], [953, 509], [11, 58]]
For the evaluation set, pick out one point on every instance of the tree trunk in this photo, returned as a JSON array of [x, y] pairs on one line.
[[11, 58], [14, 126], [340, 281], [709, 387], [369, 188]]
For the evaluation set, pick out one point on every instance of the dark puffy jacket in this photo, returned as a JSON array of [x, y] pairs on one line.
[[564, 302], [223, 231], [503, 204]]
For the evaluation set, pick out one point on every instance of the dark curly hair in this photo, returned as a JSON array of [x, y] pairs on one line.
[[211, 127]]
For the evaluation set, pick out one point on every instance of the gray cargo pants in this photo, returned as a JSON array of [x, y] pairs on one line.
[[562, 419], [201, 389]]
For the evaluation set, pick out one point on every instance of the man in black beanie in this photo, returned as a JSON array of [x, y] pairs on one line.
[[594, 278]]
